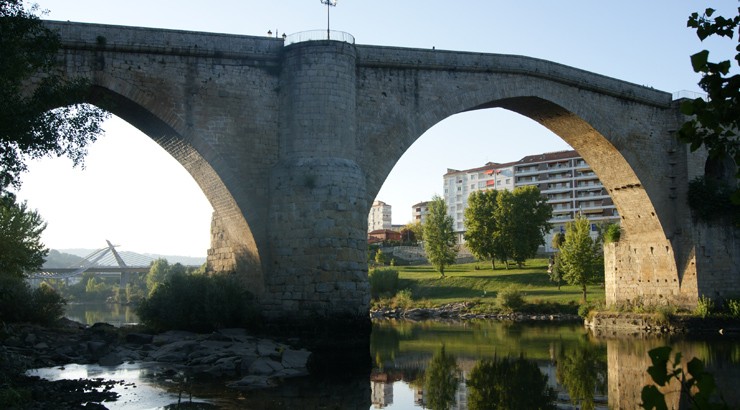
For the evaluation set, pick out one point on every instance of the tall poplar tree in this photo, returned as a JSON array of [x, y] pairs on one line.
[[581, 257], [481, 226], [440, 243]]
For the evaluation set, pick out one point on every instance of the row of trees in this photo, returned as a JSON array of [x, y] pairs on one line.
[[511, 225], [138, 286], [503, 225]]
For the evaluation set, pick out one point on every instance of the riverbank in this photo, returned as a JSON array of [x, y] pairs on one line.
[[625, 323], [242, 361], [464, 311]]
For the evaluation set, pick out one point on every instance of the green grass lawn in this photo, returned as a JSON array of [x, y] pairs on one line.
[[464, 282]]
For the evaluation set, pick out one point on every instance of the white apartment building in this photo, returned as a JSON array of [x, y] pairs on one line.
[[571, 187], [419, 212], [458, 185], [569, 184], [379, 216]]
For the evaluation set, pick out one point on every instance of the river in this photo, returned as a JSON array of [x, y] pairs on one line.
[[479, 361]]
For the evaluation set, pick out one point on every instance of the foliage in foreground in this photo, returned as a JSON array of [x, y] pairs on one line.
[[715, 122], [20, 238], [28, 129], [19, 303], [696, 385], [199, 303]]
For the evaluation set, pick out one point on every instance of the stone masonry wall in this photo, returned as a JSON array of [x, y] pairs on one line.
[[290, 144]]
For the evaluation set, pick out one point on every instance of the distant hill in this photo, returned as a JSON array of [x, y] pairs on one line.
[[57, 259], [62, 258]]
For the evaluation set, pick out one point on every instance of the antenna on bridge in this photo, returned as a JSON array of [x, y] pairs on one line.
[[329, 4]]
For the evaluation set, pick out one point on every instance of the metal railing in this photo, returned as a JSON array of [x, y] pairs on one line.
[[315, 35], [692, 95]]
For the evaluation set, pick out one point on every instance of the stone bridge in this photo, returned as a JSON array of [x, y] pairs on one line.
[[291, 144]]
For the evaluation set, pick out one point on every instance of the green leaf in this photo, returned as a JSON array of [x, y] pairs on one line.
[[687, 107], [699, 61], [652, 398], [658, 371], [695, 367]]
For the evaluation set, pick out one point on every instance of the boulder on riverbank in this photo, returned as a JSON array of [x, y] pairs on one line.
[[223, 354]]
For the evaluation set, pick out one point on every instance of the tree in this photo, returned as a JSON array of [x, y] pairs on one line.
[[715, 123], [509, 384], [440, 243], [553, 267], [522, 217], [159, 271], [417, 229], [481, 226], [408, 236], [21, 248], [441, 380], [582, 371], [380, 257], [581, 258], [39, 110]]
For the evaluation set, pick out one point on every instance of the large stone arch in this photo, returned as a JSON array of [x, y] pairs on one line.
[[233, 245], [624, 132]]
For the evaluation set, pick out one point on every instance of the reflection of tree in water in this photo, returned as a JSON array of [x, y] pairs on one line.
[[582, 370], [384, 344], [508, 384], [440, 380]]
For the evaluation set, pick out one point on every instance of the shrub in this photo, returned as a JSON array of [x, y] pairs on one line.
[[199, 303], [612, 232], [704, 307], [733, 307], [584, 310], [383, 282], [403, 299], [47, 305], [380, 257], [510, 300], [18, 303]]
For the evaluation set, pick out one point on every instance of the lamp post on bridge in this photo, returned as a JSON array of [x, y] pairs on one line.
[[329, 4]]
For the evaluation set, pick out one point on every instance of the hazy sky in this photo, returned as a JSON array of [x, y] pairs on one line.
[[134, 194]]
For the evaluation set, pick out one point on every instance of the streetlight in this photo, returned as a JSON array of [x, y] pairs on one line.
[[329, 3], [269, 33]]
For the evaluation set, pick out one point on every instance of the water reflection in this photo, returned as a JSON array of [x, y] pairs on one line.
[[505, 383], [582, 370], [90, 313], [463, 365], [441, 378], [498, 359]]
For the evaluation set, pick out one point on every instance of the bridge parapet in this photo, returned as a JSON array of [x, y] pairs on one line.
[[102, 37]]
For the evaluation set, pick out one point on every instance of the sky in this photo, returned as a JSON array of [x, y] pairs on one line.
[[134, 194]]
